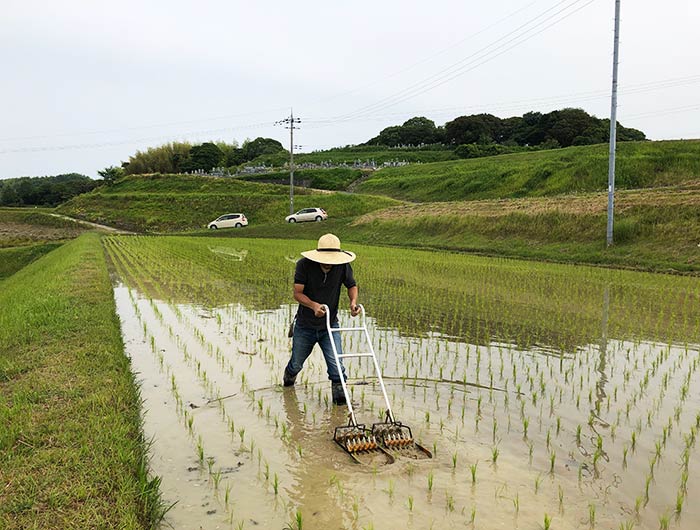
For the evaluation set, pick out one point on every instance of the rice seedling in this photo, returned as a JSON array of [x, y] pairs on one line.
[[547, 522], [431, 477], [680, 497], [472, 470], [634, 369], [216, 478], [449, 502]]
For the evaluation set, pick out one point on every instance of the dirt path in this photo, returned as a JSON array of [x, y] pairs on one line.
[[105, 228]]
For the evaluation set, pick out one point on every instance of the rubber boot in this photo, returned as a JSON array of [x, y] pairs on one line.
[[338, 394], [288, 379]]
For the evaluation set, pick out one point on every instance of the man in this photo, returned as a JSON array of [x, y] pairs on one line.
[[317, 281]]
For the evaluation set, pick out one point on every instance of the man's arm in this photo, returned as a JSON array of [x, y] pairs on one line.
[[352, 294], [304, 300]]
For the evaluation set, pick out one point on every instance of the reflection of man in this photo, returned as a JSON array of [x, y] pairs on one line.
[[317, 281]]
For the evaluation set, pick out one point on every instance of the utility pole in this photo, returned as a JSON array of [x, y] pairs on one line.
[[613, 129], [289, 124]]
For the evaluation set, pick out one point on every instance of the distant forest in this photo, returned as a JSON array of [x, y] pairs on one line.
[[471, 136], [44, 191], [559, 128]]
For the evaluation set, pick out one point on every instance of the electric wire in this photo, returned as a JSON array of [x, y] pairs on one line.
[[469, 63], [169, 137], [425, 59]]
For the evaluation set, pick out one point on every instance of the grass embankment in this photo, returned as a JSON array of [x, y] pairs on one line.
[[653, 229], [166, 203], [27, 234], [71, 444], [541, 173]]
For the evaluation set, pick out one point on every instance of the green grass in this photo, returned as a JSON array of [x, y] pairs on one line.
[[14, 258], [651, 235], [541, 173], [71, 445], [29, 226], [183, 203]]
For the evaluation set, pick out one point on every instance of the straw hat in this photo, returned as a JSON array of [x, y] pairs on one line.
[[328, 252]]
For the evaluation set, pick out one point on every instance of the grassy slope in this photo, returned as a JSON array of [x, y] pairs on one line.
[[15, 258], [181, 203], [654, 229], [29, 226], [70, 444], [541, 173], [26, 234]]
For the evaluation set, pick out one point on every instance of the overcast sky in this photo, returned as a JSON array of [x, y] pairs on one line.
[[87, 83]]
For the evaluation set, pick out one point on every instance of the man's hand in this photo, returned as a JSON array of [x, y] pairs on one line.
[[354, 309], [319, 311]]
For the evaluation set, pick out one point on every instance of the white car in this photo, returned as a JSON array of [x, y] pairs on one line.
[[230, 220], [307, 214]]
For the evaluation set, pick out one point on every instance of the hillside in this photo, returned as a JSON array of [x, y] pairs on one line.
[[655, 229], [540, 173], [546, 205], [167, 203]]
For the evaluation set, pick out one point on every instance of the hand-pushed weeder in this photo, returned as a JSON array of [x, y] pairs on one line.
[[390, 434]]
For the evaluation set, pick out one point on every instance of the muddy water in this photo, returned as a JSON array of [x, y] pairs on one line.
[[594, 437]]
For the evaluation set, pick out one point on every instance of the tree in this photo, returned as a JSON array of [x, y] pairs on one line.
[[205, 157], [477, 128], [233, 155], [44, 191], [416, 131], [8, 195], [167, 158], [260, 146], [111, 174]]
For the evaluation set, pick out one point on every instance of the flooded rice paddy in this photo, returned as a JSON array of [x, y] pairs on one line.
[[551, 396]]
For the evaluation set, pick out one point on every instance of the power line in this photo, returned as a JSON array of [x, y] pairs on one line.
[[574, 97], [469, 63], [425, 59], [139, 127], [171, 137]]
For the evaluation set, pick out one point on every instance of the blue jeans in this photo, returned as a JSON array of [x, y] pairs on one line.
[[304, 341]]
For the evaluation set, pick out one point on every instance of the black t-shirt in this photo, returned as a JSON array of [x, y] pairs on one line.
[[321, 287]]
